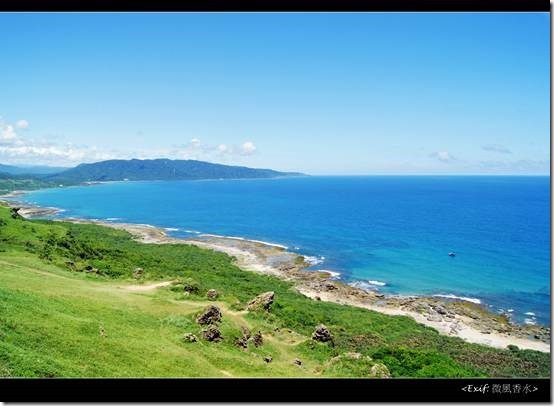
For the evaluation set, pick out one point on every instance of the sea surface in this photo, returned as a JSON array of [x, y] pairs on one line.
[[391, 233]]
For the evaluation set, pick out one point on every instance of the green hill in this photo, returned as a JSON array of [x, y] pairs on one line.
[[72, 303], [160, 169]]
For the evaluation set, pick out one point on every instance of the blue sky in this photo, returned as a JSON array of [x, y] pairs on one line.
[[326, 93]]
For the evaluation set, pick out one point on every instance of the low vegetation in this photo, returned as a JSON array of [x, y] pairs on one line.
[[85, 300], [11, 183]]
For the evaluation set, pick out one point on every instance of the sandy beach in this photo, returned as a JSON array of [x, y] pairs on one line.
[[453, 317]]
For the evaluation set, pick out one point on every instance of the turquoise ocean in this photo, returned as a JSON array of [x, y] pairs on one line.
[[391, 233]]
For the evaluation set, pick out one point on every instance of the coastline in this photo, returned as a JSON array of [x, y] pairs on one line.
[[449, 316]]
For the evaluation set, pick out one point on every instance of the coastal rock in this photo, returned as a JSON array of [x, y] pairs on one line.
[[262, 301], [212, 334], [210, 315], [257, 339], [434, 317], [379, 371], [330, 286], [138, 272], [286, 267], [440, 310], [322, 334], [190, 338], [212, 294]]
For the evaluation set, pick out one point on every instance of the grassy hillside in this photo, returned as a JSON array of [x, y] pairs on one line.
[[9, 183], [57, 319]]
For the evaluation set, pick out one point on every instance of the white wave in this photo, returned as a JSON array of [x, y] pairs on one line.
[[363, 285], [171, 229], [313, 260], [245, 239], [377, 283], [529, 314], [510, 310], [334, 274], [530, 322], [192, 231], [113, 219], [467, 299]]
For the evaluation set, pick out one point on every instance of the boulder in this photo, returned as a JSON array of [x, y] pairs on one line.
[[14, 211], [242, 342], [257, 339], [434, 317], [245, 332], [322, 334], [212, 334], [210, 315], [138, 272], [263, 301], [379, 371], [91, 269], [189, 337], [268, 359], [441, 310], [297, 361], [212, 294], [352, 355]]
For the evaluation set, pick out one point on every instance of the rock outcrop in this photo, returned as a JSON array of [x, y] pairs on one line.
[[379, 371], [322, 334], [137, 273], [212, 334], [210, 315], [257, 339], [190, 338], [263, 301], [212, 294]]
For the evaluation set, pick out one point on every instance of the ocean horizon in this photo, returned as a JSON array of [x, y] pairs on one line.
[[389, 233]]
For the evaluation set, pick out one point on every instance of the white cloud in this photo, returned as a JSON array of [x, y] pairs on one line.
[[52, 154], [496, 148], [443, 156], [248, 148], [18, 149], [22, 124], [7, 132]]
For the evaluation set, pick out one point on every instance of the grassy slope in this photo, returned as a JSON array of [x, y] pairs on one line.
[[51, 315], [11, 183]]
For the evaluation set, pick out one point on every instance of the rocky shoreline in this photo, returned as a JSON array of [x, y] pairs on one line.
[[454, 317]]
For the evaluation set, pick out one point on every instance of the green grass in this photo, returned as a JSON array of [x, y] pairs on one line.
[[9, 184], [52, 314]]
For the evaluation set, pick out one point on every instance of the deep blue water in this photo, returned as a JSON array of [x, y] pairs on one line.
[[395, 230]]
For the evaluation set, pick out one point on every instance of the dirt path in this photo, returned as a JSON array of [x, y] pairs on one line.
[[146, 288]]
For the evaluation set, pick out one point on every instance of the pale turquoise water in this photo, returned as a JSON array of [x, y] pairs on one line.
[[393, 230]]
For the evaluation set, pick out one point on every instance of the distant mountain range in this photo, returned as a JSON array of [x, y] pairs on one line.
[[158, 169], [30, 169]]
